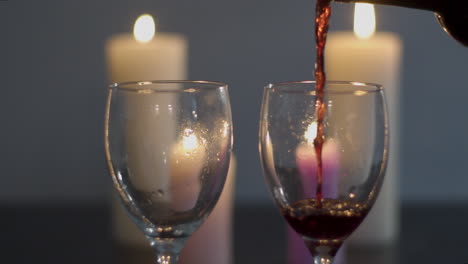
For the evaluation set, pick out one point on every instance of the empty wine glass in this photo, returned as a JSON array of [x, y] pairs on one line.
[[324, 209], [168, 146]]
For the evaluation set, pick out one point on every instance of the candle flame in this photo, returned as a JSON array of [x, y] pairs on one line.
[[190, 140], [144, 28], [311, 132], [364, 20]]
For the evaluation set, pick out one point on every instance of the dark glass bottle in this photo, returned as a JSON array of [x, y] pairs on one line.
[[452, 14]]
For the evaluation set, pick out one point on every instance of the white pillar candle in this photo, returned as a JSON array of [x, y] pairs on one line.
[[164, 57], [306, 160], [143, 56], [212, 242], [376, 59], [137, 57], [140, 57], [186, 163]]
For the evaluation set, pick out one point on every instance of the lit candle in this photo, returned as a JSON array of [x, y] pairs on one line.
[[306, 160], [186, 163], [211, 243], [147, 55], [368, 57]]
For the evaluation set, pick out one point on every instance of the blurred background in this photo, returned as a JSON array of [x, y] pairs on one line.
[[54, 76]]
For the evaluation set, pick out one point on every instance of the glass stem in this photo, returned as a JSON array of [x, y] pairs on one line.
[[323, 251], [167, 249], [323, 259]]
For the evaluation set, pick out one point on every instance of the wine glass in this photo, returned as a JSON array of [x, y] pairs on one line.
[[168, 146], [324, 208]]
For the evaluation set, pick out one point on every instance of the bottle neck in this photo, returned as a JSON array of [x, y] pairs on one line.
[[431, 5], [455, 25]]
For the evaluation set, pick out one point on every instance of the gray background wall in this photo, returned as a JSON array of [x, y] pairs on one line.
[[53, 79]]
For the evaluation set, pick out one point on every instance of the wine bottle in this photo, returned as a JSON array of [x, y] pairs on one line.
[[452, 15]]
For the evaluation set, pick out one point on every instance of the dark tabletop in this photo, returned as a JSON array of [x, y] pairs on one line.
[[82, 234]]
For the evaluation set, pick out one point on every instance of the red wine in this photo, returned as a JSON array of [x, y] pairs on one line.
[[333, 219], [322, 17]]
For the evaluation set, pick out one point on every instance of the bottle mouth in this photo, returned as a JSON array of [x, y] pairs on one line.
[[454, 23]]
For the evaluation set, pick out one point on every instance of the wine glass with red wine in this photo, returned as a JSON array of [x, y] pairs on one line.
[[324, 166]]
